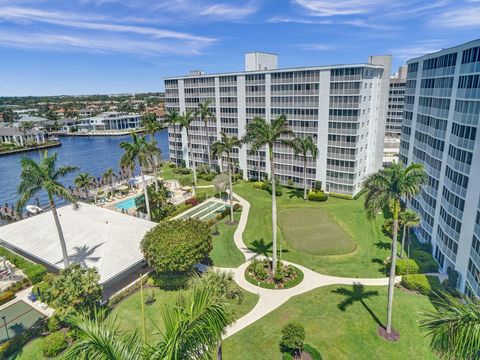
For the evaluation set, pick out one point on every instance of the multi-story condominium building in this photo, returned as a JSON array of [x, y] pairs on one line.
[[442, 110], [396, 98], [111, 120], [343, 108]]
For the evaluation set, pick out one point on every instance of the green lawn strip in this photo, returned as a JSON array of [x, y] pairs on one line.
[[31, 351], [128, 312], [225, 253], [337, 334], [312, 230], [372, 246], [167, 173]]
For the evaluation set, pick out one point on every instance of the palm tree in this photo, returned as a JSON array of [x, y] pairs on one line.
[[185, 122], [453, 327], [226, 145], [84, 181], [386, 188], [44, 175], [261, 133], [152, 126], [109, 175], [303, 146], [409, 219], [26, 127], [172, 120], [205, 113], [138, 151]]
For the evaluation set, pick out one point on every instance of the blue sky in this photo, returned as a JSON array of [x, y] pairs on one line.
[[113, 46]]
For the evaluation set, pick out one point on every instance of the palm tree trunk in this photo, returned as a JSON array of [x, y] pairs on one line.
[[274, 212], [219, 350], [87, 194], [304, 178], [145, 193], [155, 170], [391, 279], [175, 140], [194, 165], [230, 186], [208, 145], [113, 186], [403, 240], [60, 232]]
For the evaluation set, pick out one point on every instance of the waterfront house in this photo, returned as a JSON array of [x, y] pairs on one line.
[[111, 120], [13, 135]]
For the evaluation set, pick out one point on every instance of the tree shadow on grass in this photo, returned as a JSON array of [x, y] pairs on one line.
[[357, 294], [382, 269], [297, 193], [260, 247], [383, 245]]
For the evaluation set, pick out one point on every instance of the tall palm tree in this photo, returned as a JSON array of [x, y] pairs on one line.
[[453, 327], [172, 120], [205, 113], [138, 151], [303, 146], [386, 188], [260, 133], [45, 176], [84, 181], [409, 219], [152, 126], [226, 145], [25, 127], [109, 175], [185, 121]]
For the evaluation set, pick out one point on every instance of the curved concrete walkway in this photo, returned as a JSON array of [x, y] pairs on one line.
[[269, 299]]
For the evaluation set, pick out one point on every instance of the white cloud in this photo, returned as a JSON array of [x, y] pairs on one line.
[[418, 49], [314, 46], [458, 18], [229, 12], [346, 7]]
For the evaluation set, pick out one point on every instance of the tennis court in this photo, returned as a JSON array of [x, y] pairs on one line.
[[204, 211], [18, 317]]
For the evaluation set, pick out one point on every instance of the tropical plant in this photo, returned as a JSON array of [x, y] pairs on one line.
[[109, 175], [172, 120], [205, 113], [303, 146], [409, 219], [226, 146], [160, 205], [293, 338], [152, 126], [185, 121], [177, 245], [260, 133], [84, 181], [25, 127], [140, 151], [385, 189], [453, 327], [220, 183], [45, 176]]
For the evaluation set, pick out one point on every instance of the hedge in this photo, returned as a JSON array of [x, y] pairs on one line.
[[54, 344], [317, 196], [340, 196], [425, 261], [404, 267], [417, 282], [6, 296]]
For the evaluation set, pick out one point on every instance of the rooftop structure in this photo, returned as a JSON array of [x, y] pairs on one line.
[[343, 108], [95, 237]]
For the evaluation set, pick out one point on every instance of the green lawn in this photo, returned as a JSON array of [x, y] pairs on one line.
[[372, 246], [225, 253], [128, 312], [314, 231], [336, 333], [31, 351], [167, 173]]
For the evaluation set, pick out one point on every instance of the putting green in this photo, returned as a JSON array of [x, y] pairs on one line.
[[314, 231]]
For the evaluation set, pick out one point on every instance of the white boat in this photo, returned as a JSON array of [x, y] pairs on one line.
[[32, 209]]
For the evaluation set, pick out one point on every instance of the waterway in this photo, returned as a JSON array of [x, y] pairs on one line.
[[89, 154]]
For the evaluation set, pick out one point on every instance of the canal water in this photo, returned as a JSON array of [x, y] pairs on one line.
[[89, 154]]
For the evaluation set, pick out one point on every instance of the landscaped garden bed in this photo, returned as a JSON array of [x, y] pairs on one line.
[[260, 273]]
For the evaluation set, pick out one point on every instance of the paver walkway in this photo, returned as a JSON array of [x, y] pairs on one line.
[[269, 299]]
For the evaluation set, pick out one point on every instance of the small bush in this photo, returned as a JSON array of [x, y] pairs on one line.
[[54, 344], [314, 353], [340, 196], [6, 296], [54, 323], [192, 201], [201, 197], [318, 185], [172, 165], [259, 185], [287, 356], [293, 337], [278, 188], [425, 261], [404, 267], [317, 196], [207, 176], [35, 273], [182, 171], [417, 282], [258, 269]]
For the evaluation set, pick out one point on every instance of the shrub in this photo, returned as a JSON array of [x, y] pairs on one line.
[[54, 323], [287, 356], [259, 185], [340, 196], [318, 185], [425, 261], [290, 183], [35, 273], [404, 267], [172, 165], [207, 176], [6, 296], [185, 180], [128, 291], [417, 282], [192, 201], [201, 197], [314, 353], [452, 281], [177, 245], [317, 196], [278, 188], [293, 337], [19, 285], [182, 171], [258, 269], [54, 344]]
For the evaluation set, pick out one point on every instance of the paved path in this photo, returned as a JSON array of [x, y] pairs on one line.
[[269, 299]]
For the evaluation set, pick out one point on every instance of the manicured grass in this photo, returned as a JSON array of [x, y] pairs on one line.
[[372, 246], [350, 333], [167, 173], [314, 231], [128, 312], [225, 253], [31, 351]]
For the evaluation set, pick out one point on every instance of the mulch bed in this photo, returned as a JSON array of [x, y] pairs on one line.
[[393, 336]]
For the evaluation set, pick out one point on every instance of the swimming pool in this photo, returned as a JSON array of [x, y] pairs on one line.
[[126, 204]]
